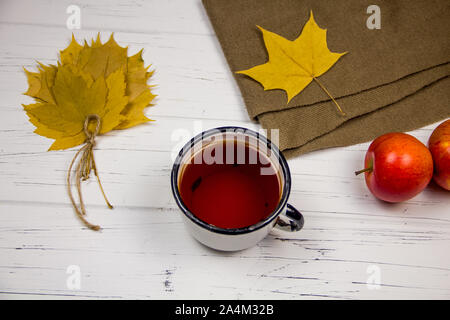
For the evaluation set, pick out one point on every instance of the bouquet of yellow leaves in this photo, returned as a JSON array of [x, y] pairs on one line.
[[92, 90]]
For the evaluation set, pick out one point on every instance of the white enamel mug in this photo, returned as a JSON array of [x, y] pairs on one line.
[[284, 217]]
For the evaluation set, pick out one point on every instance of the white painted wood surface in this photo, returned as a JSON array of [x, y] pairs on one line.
[[143, 250]]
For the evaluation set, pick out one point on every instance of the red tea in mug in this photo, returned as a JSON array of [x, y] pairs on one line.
[[239, 189]]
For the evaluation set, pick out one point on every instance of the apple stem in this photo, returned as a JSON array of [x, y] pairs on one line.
[[368, 169]]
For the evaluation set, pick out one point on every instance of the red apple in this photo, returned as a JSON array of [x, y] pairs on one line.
[[397, 167], [439, 145]]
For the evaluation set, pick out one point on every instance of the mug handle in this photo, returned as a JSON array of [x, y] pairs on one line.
[[294, 221]]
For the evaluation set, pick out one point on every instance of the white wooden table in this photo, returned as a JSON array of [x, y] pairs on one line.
[[350, 239]]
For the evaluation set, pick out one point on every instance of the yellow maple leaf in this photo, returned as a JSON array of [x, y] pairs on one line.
[[40, 83], [97, 79], [292, 65], [74, 100], [92, 90], [138, 92]]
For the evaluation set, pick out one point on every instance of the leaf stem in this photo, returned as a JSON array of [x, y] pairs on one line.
[[329, 94]]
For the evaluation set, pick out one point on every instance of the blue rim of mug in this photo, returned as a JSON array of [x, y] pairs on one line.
[[231, 231]]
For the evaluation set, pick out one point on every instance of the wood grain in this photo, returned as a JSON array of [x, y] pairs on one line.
[[144, 251]]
